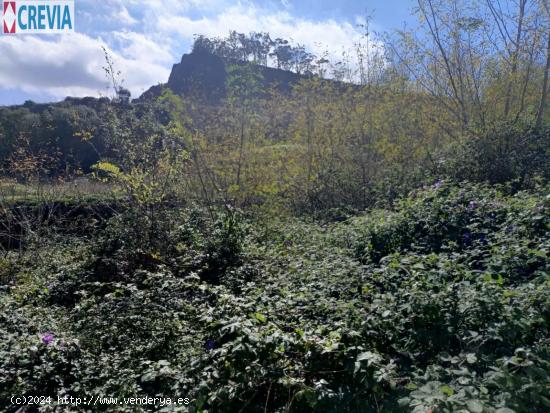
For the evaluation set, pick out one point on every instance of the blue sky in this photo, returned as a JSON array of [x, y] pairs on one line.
[[146, 37]]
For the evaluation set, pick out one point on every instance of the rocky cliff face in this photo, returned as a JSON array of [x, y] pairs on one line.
[[200, 75], [203, 75]]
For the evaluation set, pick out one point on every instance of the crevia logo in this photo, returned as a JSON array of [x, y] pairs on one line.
[[38, 16]]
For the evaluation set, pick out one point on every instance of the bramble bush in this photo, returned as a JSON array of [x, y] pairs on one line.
[[441, 304], [510, 152]]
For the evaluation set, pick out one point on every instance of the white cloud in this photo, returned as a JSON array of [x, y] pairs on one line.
[[317, 36], [150, 38], [71, 65], [138, 46], [124, 17], [286, 4]]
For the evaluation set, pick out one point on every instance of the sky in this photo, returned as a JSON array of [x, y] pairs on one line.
[[145, 38]]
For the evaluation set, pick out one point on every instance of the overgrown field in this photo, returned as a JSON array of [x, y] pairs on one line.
[[441, 304]]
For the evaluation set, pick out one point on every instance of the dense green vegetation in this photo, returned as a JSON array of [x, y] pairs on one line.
[[375, 241], [440, 303]]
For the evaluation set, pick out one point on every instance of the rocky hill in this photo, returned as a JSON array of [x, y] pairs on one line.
[[204, 75]]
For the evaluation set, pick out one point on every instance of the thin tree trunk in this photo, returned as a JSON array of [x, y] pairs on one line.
[[544, 96], [515, 58], [526, 80], [434, 31], [241, 149]]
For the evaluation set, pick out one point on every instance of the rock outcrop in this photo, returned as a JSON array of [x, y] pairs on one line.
[[203, 75]]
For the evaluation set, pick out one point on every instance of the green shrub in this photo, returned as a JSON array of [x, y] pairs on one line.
[[390, 311], [515, 153]]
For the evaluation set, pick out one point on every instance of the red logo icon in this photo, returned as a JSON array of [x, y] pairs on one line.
[[9, 17]]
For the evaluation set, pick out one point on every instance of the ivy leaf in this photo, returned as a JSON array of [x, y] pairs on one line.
[[260, 317], [474, 406], [471, 358], [447, 390]]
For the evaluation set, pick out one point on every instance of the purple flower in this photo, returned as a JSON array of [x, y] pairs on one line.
[[210, 344], [472, 205], [48, 338], [437, 184]]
